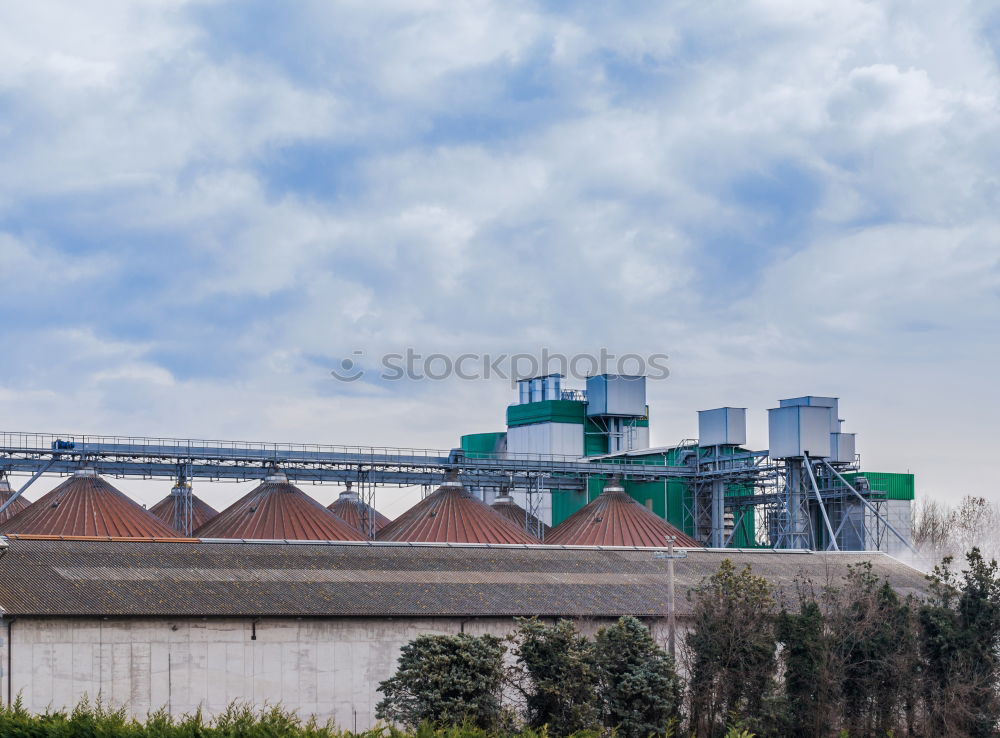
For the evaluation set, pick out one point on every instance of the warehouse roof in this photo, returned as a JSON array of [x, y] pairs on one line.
[[452, 515], [94, 578], [278, 509], [615, 519], [87, 505], [166, 510]]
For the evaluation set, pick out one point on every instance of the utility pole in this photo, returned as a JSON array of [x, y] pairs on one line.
[[670, 555]]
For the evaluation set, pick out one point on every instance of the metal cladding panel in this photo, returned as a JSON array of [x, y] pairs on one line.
[[616, 394], [842, 447], [638, 437], [894, 485], [86, 505], [278, 511], [815, 401], [723, 426], [201, 511], [565, 439], [357, 514], [615, 519], [549, 411], [794, 430], [452, 515], [478, 445]]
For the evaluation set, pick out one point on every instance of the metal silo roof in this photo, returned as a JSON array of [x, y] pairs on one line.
[[452, 515], [359, 515], [15, 507], [201, 511], [615, 519], [520, 517], [87, 505], [278, 510]]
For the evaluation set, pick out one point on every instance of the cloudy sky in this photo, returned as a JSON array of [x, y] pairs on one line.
[[206, 206]]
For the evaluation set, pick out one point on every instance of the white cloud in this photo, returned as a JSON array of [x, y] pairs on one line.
[[779, 194]]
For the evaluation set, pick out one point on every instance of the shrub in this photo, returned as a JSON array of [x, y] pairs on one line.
[[639, 687], [557, 675], [446, 680]]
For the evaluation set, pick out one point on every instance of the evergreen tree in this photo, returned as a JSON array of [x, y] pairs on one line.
[[806, 655], [731, 649], [960, 648], [639, 686], [445, 680]]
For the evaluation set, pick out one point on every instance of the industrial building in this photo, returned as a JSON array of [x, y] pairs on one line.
[[314, 626], [807, 490], [567, 513]]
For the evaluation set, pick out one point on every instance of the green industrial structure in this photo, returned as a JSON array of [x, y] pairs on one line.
[[757, 511]]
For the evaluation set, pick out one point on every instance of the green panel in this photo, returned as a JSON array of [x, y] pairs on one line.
[[678, 503], [595, 440], [652, 495], [895, 485], [546, 411], [565, 502], [479, 445], [744, 536]]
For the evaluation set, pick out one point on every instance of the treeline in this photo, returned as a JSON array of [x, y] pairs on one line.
[[851, 658], [940, 530]]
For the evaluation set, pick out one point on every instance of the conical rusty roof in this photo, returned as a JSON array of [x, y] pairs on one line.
[[166, 510], [615, 519], [452, 515], [87, 505], [359, 515], [278, 510], [15, 507], [505, 505]]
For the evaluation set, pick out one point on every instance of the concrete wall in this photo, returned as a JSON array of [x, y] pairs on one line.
[[328, 668]]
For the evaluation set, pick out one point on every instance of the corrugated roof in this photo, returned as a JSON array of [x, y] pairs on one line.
[[520, 517], [166, 510], [143, 578], [277, 509], [87, 505], [452, 515], [615, 519], [15, 507], [359, 515]]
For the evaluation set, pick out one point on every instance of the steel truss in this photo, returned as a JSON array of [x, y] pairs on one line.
[[735, 494]]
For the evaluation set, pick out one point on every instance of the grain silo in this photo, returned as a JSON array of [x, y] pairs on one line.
[[278, 510], [506, 506], [357, 513], [615, 519], [87, 505], [171, 509], [452, 515], [13, 508]]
